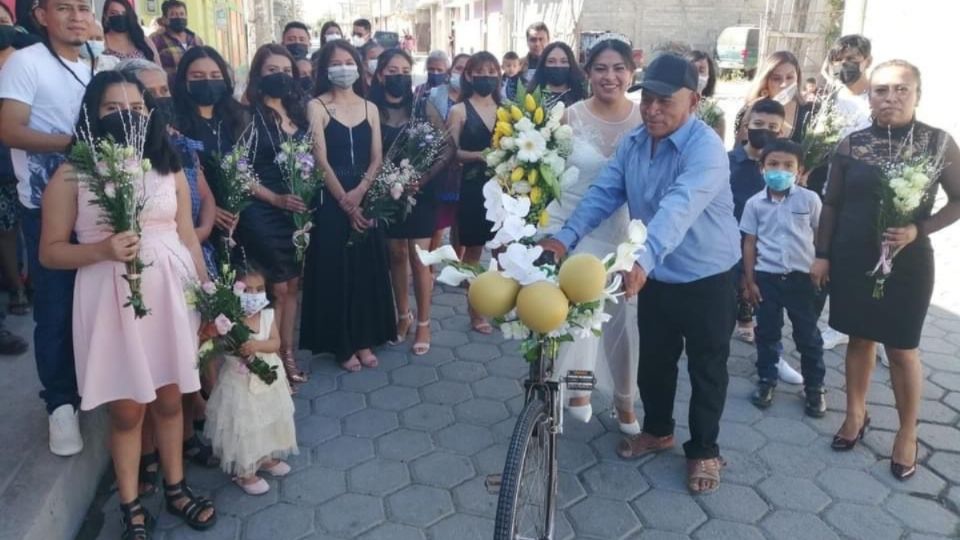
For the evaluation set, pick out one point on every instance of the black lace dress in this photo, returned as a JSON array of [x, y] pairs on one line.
[[347, 295], [475, 230], [849, 235]]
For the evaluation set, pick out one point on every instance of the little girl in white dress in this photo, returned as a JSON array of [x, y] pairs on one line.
[[249, 422]]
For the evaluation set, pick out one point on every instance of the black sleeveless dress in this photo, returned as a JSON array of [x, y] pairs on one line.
[[849, 233], [475, 230], [347, 295], [265, 231], [422, 220]]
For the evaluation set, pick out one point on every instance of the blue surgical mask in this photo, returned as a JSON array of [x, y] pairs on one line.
[[779, 180], [95, 47]]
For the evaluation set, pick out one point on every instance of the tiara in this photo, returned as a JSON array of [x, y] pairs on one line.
[[612, 36]]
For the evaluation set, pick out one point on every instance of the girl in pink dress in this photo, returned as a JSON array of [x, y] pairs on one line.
[[135, 366]]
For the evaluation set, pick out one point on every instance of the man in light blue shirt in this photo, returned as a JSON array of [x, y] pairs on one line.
[[673, 173]]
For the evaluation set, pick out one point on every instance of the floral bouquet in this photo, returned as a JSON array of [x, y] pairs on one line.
[[528, 162], [905, 187], [709, 111], [823, 133], [232, 177], [391, 196], [542, 305], [115, 174], [305, 180], [222, 330]]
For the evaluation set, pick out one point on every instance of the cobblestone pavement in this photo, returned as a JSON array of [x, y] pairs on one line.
[[401, 452]]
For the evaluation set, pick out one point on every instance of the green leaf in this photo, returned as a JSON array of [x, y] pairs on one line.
[[550, 180]]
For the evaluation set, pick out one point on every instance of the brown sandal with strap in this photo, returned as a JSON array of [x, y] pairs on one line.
[[704, 469], [294, 375], [636, 446]]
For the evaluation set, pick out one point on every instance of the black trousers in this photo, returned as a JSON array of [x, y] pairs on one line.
[[699, 315]]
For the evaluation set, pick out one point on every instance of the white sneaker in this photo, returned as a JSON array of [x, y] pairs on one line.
[[832, 338], [65, 438], [787, 373]]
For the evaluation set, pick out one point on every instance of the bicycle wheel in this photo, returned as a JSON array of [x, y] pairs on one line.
[[528, 489]]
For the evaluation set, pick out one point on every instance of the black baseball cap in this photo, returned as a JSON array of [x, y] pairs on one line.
[[668, 73]]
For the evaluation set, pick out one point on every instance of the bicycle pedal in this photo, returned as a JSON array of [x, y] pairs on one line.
[[583, 380], [492, 483]]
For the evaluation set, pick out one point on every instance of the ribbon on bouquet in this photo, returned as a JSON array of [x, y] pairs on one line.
[[883, 269], [301, 237]]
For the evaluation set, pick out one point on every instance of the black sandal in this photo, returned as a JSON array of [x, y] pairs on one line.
[[193, 507], [149, 474], [199, 453], [131, 530]]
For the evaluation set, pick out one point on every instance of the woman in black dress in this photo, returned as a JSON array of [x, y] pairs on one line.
[[392, 93], [848, 248], [347, 301], [471, 123], [266, 226]]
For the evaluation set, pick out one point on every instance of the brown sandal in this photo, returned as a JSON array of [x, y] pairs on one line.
[[704, 469], [294, 375], [636, 446]]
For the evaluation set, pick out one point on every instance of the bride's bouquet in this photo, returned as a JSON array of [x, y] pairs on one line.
[[305, 180], [115, 173], [528, 160]]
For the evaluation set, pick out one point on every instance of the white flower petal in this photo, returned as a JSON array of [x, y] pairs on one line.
[[454, 277], [637, 232], [444, 253]]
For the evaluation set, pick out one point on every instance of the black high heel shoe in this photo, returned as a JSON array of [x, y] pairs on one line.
[[844, 445], [903, 472]]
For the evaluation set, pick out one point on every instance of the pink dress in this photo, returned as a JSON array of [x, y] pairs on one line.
[[117, 355]]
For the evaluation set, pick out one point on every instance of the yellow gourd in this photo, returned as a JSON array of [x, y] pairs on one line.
[[492, 294], [542, 307], [582, 278]]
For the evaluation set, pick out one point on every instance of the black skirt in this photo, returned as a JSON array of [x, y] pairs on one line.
[[475, 230], [422, 221], [266, 234]]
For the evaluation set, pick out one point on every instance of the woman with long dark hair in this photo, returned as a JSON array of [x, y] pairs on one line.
[[134, 366], [347, 299], [559, 76], [471, 124], [122, 35], [266, 227]]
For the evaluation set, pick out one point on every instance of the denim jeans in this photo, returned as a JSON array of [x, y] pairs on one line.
[[53, 315], [794, 293]]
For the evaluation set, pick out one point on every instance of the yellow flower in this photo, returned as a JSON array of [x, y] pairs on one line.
[[530, 103], [533, 176], [536, 195], [504, 129], [503, 114], [538, 116], [496, 141], [517, 174], [516, 113], [544, 219]]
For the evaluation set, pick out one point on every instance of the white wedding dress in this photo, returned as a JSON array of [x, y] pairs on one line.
[[595, 141]]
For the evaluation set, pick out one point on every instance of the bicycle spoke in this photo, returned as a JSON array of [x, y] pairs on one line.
[[532, 500]]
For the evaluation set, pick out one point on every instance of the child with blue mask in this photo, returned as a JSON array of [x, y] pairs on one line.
[[779, 226]]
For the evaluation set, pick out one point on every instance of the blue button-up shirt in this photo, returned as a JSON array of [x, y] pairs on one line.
[[746, 180], [681, 191]]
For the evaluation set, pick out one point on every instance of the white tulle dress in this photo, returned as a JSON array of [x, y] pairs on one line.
[[249, 421], [595, 141]]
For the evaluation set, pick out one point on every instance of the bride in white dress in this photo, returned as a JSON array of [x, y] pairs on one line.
[[598, 125]]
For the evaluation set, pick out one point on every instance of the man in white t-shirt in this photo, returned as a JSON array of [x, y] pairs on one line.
[[849, 60], [42, 87]]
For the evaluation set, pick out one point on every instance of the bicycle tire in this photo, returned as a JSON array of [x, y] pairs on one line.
[[530, 434]]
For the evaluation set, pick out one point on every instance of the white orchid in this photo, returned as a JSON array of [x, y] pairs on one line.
[[493, 202], [589, 323], [569, 178], [512, 229], [524, 125], [440, 255], [514, 330], [627, 252], [453, 276], [637, 232], [531, 146], [518, 263], [515, 206]]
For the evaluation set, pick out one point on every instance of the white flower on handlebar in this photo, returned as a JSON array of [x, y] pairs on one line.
[[440, 255], [453, 276], [513, 229], [518, 263], [627, 252]]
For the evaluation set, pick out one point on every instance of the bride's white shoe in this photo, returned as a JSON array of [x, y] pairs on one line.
[[582, 413]]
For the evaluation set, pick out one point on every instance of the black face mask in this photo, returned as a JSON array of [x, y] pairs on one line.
[[306, 84], [277, 85], [484, 86], [758, 138], [164, 109], [177, 24], [7, 33], [298, 50], [556, 75], [397, 85], [118, 24], [118, 124], [207, 92], [436, 79], [849, 72]]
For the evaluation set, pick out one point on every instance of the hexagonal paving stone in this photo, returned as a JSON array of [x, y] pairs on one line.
[[574, 456], [351, 514], [447, 338], [464, 438], [615, 481], [718, 529], [378, 477], [851, 485], [668, 471], [280, 521], [442, 469], [474, 498], [394, 531], [419, 505], [457, 323], [497, 388], [480, 411], [862, 522], [491, 459], [367, 380], [478, 352], [414, 376], [318, 385], [675, 512], [343, 452], [313, 486], [652, 534], [508, 366], [924, 481], [314, 430], [227, 528], [370, 423], [404, 445], [735, 503], [786, 430], [603, 518], [232, 501], [394, 398], [940, 437], [797, 526], [947, 465], [794, 494], [923, 514], [427, 417], [459, 370], [740, 410], [743, 468], [740, 437], [446, 392], [338, 404], [463, 527], [791, 460]]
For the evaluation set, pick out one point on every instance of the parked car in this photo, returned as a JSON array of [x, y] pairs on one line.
[[738, 49], [387, 40]]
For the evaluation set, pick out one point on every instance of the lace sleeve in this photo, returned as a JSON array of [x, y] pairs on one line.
[[833, 198], [950, 180]]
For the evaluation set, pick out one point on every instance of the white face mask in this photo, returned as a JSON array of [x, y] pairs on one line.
[[455, 81], [786, 94], [357, 41], [96, 47], [334, 37], [372, 66], [343, 76], [252, 303], [702, 82]]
